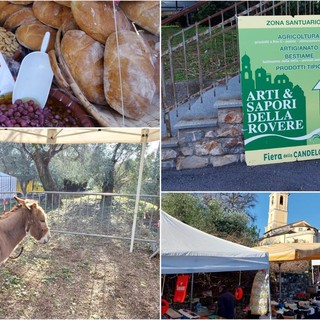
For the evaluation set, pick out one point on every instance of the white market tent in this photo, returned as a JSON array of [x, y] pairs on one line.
[[185, 249], [8, 186], [79, 136]]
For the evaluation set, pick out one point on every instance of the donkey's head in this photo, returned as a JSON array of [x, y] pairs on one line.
[[36, 220]]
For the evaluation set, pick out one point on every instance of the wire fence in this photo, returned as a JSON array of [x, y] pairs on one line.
[[97, 214]]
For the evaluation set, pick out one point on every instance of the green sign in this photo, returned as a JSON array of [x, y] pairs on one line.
[[280, 78]]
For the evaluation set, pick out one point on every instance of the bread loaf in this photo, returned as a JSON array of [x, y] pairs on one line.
[[31, 35], [23, 16], [24, 3], [7, 10], [137, 73], [96, 18], [51, 13], [84, 57], [70, 24], [154, 44], [146, 14], [64, 3], [3, 4]]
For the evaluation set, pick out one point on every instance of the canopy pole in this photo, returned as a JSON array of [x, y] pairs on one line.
[[280, 281], [191, 294], [163, 282], [144, 138], [312, 273], [270, 309]]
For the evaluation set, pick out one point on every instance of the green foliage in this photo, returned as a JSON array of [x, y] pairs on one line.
[[239, 201], [210, 214], [70, 164], [185, 207], [210, 8], [16, 162], [129, 171], [13, 281], [49, 278], [113, 166]]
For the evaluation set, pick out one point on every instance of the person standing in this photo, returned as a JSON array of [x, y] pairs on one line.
[[226, 303]]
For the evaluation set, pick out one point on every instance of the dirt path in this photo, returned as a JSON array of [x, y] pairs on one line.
[[80, 277]]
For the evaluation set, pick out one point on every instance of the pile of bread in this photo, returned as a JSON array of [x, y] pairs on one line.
[[103, 52]]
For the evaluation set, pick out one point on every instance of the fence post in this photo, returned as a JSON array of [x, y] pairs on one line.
[[136, 207]]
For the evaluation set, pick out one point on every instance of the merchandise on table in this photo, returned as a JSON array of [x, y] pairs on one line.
[[104, 55]]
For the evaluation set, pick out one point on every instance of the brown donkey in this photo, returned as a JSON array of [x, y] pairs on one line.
[[25, 218]]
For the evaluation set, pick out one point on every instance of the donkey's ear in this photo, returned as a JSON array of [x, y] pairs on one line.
[[20, 201], [31, 206]]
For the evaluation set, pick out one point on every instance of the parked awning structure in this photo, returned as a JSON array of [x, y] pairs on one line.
[[281, 252]]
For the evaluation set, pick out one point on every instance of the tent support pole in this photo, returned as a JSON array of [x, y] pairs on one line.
[[312, 273], [269, 300], [280, 289], [191, 294], [136, 207], [162, 287]]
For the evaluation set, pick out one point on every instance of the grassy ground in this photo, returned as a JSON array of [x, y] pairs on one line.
[[216, 50], [76, 277]]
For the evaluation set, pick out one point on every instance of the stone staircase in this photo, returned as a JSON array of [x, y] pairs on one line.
[[209, 133], [215, 140]]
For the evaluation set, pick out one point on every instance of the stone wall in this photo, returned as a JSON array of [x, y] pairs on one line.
[[214, 141]]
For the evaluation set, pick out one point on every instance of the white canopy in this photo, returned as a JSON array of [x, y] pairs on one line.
[[79, 135], [8, 186], [185, 249]]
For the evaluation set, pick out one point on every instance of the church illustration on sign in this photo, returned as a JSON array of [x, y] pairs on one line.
[[275, 100], [263, 81], [279, 231]]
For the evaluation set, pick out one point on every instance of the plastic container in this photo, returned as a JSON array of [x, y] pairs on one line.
[[35, 76]]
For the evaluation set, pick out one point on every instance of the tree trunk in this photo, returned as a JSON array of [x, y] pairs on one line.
[[42, 165], [107, 187], [108, 181]]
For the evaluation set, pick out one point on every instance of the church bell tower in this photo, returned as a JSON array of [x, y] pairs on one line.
[[278, 210]]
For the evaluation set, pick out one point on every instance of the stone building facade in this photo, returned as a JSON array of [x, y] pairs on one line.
[[279, 231]]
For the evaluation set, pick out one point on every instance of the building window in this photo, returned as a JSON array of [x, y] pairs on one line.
[[300, 229], [281, 200]]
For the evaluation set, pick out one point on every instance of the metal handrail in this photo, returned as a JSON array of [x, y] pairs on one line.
[[211, 65]]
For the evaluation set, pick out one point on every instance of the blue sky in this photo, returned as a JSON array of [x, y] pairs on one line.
[[302, 206]]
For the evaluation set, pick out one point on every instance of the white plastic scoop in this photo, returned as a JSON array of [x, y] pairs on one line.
[[35, 76]]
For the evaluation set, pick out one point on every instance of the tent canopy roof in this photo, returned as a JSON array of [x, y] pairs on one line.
[[292, 251], [79, 135], [185, 249], [5, 175]]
